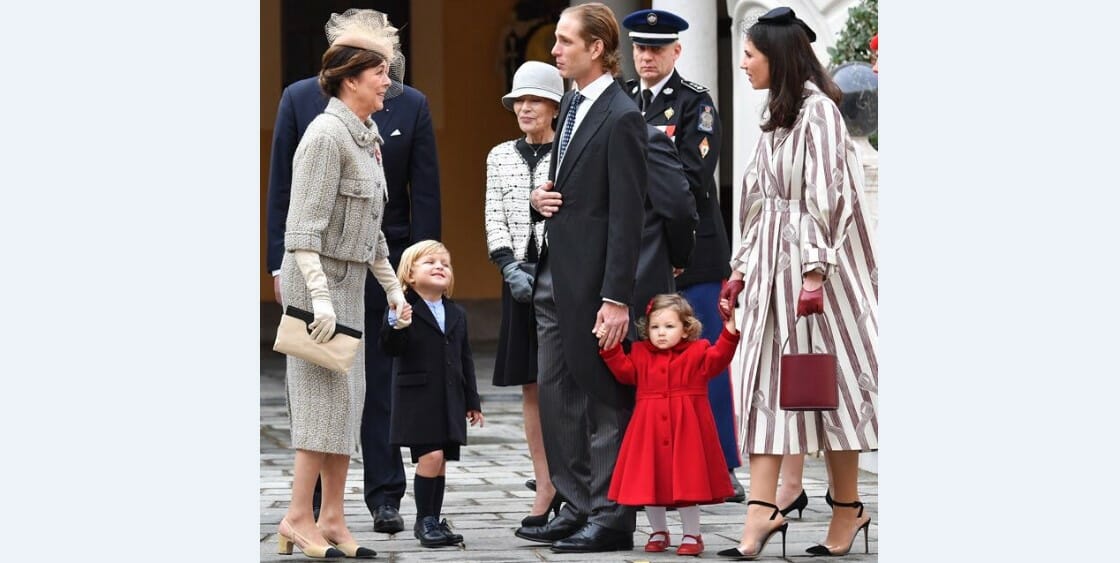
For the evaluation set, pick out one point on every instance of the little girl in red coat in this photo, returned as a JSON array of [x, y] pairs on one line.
[[670, 455]]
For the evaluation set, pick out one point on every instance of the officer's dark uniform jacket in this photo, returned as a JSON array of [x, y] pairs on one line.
[[685, 112]]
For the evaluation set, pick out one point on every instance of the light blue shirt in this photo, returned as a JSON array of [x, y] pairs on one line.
[[437, 309]]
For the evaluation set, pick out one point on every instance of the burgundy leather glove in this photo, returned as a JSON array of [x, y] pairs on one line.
[[730, 291], [810, 302]]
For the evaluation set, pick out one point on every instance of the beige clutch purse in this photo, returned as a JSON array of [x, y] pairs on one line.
[[294, 339]]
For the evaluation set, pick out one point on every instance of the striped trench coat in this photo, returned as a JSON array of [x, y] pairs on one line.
[[802, 210]]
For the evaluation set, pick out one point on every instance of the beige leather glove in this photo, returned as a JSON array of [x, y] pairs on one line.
[[387, 277], [322, 328]]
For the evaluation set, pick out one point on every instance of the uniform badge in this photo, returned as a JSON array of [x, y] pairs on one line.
[[707, 118], [669, 113], [704, 148], [668, 91], [651, 18]]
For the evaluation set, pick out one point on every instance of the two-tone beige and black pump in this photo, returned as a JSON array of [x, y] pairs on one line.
[[352, 549], [290, 537]]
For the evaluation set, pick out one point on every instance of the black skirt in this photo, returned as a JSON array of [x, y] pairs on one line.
[[516, 362]]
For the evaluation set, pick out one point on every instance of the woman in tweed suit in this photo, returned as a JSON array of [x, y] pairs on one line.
[[333, 235], [806, 248], [513, 168]]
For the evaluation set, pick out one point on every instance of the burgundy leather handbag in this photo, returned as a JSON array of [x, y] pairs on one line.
[[807, 382]]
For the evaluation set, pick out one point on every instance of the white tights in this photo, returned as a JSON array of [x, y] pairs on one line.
[[690, 520]]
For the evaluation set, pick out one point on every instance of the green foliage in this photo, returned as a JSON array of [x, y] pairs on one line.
[[862, 24]]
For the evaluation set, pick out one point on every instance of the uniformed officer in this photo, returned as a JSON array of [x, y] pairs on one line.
[[685, 112]]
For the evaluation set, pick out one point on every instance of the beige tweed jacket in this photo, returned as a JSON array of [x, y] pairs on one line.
[[338, 199]]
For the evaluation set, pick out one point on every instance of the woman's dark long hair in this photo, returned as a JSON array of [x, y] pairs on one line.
[[792, 62]]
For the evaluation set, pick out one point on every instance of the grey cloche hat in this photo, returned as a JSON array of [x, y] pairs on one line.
[[534, 78]]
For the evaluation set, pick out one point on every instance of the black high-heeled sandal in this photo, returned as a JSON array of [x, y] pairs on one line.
[[737, 555], [823, 550], [542, 519], [798, 504]]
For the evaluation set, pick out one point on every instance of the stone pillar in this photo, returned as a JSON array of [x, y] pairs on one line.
[[699, 57]]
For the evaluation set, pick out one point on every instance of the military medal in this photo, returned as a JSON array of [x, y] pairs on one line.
[[704, 148], [669, 113]]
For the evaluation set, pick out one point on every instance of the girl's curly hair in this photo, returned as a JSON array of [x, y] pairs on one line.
[[677, 303]]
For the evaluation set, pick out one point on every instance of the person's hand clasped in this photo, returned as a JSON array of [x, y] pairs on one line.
[[322, 328], [404, 317], [729, 297], [610, 324], [544, 200]]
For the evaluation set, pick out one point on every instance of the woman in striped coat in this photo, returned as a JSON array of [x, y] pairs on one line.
[[806, 248]]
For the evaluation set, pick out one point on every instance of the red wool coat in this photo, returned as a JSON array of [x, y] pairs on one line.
[[671, 455]]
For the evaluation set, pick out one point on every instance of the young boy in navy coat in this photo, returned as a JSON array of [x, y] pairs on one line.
[[434, 388]]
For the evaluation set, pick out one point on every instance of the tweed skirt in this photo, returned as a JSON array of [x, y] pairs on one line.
[[325, 407]]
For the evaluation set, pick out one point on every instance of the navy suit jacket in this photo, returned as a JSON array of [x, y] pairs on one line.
[[408, 155]]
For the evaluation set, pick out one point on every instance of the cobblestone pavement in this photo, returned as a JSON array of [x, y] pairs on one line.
[[486, 496]]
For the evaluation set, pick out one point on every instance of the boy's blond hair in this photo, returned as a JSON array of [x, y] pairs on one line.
[[418, 251]]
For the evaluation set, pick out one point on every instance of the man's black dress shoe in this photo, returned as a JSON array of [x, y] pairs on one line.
[[452, 537], [387, 520], [428, 531], [594, 537], [554, 530]]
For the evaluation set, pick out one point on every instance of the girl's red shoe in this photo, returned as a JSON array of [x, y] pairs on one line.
[[691, 548], [657, 546]]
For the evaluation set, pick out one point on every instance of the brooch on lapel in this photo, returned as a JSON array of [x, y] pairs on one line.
[[375, 151]]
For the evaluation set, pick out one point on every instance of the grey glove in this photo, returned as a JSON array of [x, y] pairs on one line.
[[520, 282]]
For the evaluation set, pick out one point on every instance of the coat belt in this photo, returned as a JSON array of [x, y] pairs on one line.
[[671, 393]]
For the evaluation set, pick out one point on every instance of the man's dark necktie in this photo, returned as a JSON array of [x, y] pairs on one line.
[[647, 98], [569, 123]]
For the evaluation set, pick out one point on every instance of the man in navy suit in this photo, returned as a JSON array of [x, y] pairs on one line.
[[412, 214]]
